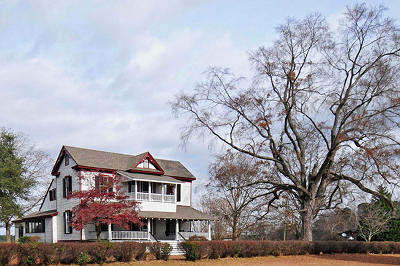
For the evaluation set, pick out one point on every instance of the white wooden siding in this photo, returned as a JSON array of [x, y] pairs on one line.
[[64, 204], [47, 204]]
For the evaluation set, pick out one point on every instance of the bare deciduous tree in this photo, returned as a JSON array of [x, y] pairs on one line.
[[322, 109], [372, 221], [332, 223], [237, 206]]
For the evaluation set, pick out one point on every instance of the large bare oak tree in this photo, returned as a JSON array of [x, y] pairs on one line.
[[322, 109]]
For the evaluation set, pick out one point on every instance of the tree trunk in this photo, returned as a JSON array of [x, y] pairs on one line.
[[307, 221], [234, 233], [98, 232], [8, 234]]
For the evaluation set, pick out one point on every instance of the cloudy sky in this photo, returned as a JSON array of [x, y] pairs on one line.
[[99, 74]]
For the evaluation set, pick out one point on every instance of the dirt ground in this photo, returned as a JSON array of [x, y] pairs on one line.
[[338, 259]]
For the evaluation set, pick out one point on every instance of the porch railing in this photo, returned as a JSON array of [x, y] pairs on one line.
[[187, 235], [129, 235], [169, 198], [142, 196], [158, 197]]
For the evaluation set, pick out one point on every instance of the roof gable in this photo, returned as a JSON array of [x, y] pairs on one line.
[[147, 164]]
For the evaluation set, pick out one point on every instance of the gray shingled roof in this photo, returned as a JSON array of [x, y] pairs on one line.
[[182, 213], [36, 215], [118, 161]]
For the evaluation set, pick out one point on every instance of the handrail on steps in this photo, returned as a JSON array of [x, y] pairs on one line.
[[154, 237], [182, 236]]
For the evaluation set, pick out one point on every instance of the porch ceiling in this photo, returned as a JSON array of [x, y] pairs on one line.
[[182, 213]]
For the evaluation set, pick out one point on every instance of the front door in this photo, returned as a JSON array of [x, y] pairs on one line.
[[20, 231], [170, 226], [153, 227]]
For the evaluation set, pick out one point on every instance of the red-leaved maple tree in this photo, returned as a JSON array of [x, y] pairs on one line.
[[104, 202]]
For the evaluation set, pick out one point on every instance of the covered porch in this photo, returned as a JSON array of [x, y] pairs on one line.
[[158, 226]]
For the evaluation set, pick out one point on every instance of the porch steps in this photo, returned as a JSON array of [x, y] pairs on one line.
[[176, 249]]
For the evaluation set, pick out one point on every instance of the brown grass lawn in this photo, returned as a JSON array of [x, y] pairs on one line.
[[338, 259]]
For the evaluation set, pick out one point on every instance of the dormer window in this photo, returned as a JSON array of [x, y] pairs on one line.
[[146, 164], [66, 159]]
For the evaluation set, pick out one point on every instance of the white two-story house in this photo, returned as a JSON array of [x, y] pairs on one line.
[[162, 188]]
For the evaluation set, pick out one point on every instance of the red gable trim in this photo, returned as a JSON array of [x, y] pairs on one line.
[[59, 160], [183, 178], [148, 171], [94, 169]]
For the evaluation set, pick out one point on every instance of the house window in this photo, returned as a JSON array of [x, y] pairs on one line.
[[136, 227], [66, 159], [67, 222], [178, 193], [131, 186], [103, 183], [35, 226], [170, 189], [67, 186], [52, 194], [143, 186], [146, 164]]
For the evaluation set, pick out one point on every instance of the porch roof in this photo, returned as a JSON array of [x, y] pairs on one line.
[[182, 213], [36, 215], [152, 178]]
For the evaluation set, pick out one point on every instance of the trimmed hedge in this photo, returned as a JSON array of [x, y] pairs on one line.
[[195, 250], [33, 253], [161, 251]]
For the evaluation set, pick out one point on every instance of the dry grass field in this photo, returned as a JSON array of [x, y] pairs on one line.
[[320, 260]]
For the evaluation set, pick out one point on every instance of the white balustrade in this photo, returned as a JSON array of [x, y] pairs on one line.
[[129, 235], [169, 198], [156, 197], [142, 196]]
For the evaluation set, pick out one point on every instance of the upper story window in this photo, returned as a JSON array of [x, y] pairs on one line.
[[66, 159], [104, 183], [146, 164], [35, 226], [143, 186], [52, 194], [131, 186], [67, 186], [170, 189], [178, 192]]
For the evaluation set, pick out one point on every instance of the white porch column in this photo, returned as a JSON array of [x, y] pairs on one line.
[[54, 229], [109, 232], [149, 191], [135, 190], [162, 192], [176, 229], [148, 228], [209, 230], [83, 234]]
